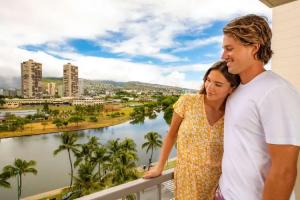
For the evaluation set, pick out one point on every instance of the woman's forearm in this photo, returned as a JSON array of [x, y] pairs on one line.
[[166, 149], [169, 140]]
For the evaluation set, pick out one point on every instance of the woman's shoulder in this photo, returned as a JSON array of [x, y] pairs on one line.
[[191, 97]]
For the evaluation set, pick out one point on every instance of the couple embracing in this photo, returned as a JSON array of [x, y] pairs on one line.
[[239, 137]]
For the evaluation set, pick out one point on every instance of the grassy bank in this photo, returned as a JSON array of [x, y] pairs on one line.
[[38, 128], [40, 107]]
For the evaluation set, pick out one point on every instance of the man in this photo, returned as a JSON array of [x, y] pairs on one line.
[[262, 119]]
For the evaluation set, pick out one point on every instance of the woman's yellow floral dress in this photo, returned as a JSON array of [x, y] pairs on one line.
[[199, 150]]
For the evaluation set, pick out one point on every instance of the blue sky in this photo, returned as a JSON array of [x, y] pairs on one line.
[[170, 42], [205, 53]]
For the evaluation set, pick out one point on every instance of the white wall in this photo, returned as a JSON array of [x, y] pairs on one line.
[[286, 46], [286, 41]]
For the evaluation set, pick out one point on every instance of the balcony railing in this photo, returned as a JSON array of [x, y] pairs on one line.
[[157, 188]]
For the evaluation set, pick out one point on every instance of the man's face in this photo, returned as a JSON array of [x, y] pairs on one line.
[[238, 56]]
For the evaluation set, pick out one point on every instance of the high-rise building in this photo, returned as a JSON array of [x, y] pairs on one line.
[[60, 90], [51, 89], [81, 87], [31, 79], [70, 80]]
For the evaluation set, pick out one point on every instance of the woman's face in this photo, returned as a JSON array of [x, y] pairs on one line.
[[217, 87]]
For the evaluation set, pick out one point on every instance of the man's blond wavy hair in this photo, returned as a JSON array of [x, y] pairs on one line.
[[252, 29]]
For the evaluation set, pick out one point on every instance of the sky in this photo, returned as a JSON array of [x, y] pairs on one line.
[[169, 42]]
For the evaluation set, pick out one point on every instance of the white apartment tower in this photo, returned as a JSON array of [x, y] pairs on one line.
[[70, 81]]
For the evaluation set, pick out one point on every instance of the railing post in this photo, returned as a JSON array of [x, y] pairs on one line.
[[159, 191], [138, 196]]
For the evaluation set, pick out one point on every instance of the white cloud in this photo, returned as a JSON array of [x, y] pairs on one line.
[[34, 21], [188, 68], [178, 79], [123, 70], [200, 42], [97, 68], [148, 27]]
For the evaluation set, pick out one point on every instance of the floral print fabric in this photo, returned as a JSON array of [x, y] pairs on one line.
[[199, 150]]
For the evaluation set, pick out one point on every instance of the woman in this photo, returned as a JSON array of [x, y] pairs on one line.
[[197, 124]]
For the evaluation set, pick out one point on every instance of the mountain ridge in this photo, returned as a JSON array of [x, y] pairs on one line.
[[15, 82]]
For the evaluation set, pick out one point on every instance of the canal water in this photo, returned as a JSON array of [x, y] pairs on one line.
[[53, 170]]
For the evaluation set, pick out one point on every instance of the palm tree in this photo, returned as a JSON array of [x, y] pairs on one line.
[[68, 143], [100, 158], [113, 147], [153, 141], [123, 157], [124, 168], [3, 180], [84, 154], [87, 150], [86, 181], [93, 142], [128, 145], [20, 167]]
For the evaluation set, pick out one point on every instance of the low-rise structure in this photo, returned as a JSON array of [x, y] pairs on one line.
[[87, 102]]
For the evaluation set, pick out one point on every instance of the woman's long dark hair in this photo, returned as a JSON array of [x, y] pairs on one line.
[[221, 66]]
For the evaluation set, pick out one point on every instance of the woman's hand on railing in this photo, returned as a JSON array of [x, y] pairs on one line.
[[153, 172]]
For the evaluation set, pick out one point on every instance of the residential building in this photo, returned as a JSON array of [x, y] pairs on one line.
[[31, 79], [60, 90], [51, 89], [81, 87], [70, 81]]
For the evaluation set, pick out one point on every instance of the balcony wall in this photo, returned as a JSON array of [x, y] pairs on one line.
[[286, 46], [286, 42], [159, 188]]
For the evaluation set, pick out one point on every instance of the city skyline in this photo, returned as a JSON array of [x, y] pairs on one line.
[[165, 42], [31, 80]]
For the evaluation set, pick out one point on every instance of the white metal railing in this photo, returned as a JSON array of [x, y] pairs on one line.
[[136, 187]]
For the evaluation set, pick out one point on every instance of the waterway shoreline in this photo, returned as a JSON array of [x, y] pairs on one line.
[[38, 129], [13, 134]]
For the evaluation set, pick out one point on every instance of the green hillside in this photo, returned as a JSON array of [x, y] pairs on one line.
[[56, 80]]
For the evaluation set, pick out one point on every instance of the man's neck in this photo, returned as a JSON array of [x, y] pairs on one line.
[[253, 71]]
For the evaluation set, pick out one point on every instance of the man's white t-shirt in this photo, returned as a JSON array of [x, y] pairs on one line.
[[264, 111]]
